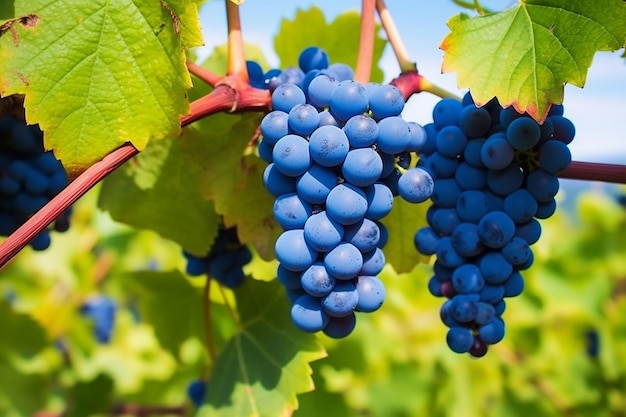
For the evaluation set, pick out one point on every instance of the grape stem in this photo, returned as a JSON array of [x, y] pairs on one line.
[[412, 82], [236, 51], [394, 38], [366, 42], [206, 310], [203, 74]]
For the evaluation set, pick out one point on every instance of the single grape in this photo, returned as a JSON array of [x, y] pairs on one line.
[[371, 293], [287, 96], [308, 315], [293, 252], [416, 185], [342, 300]]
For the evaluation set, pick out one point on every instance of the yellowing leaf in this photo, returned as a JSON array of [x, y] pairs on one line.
[[524, 56]]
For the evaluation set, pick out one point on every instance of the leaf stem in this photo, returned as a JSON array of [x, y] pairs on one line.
[[236, 51], [230, 308], [206, 316], [366, 42], [394, 38], [203, 74]]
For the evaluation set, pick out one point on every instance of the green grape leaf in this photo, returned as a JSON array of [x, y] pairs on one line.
[[340, 39], [169, 302], [405, 218], [25, 337], [524, 56], [234, 180], [91, 397], [266, 364], [159, 189], [21, 393], [98, 75]]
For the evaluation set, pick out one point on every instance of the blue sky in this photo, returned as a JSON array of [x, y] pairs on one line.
[[597, 110]]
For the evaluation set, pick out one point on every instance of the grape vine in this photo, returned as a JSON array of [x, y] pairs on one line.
[[287, 200]]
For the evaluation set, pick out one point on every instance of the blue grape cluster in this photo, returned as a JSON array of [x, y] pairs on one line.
[[225, 260], [332, 146], [101, 311], [29, 178], [196, 392], [495, 175]]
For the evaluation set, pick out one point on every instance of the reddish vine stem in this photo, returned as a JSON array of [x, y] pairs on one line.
[[236, 51], [366, 42], [204, 74], [591, 171]]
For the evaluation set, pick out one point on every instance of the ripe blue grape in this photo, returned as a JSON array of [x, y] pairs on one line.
[[416, 185], [308, 315], [291, 155], [348, 99], [362, 167], [329, 146], [313, 58], [371, 293], [303, 119], [342, 300]]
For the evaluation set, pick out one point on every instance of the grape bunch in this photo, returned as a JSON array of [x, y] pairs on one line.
[[29, 178], [101, 311], [495, 175], [196, 392], [333, 146], [225, 260]]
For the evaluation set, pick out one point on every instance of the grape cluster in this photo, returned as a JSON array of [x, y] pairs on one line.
[[196, 392], [29, 178], [225, 260], [101, 310], [332, 146], [495, 174]]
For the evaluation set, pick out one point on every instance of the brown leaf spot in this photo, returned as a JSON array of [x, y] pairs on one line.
[[29, 21]]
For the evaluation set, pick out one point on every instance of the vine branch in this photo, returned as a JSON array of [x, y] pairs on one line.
[[366, 42], [236, 51], [204, 74], [394, 38], [134, 410]]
